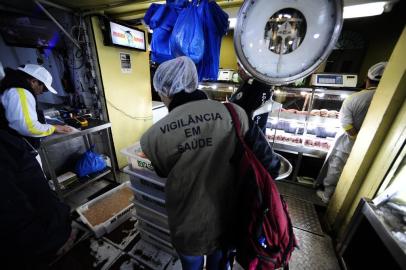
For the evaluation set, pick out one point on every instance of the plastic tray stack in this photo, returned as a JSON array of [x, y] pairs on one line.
[[149, 202]]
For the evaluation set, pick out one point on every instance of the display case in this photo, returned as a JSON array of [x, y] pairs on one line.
[[307, 123]]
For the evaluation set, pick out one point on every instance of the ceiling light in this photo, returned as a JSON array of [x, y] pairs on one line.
[[232, 22], [364, 10]]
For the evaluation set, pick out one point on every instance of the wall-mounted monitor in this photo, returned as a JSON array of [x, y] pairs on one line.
[[118, 34]]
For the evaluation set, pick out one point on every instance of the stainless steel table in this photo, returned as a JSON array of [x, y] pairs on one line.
[[93, 127]]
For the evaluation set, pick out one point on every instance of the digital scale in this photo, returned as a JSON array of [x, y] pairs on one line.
[[334, 80]]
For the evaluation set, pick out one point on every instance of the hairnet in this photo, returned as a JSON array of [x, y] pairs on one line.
[[176, 75], [376, 71]]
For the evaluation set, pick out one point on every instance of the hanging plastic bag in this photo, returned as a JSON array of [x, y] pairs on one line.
[[161, 19], [90, 162], [215, 25], [187, 37]]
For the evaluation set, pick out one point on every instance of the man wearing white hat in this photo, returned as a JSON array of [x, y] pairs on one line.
[[18, 108], [352, 114]]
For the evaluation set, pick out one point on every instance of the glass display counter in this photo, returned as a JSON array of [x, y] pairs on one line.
[[307, 123]]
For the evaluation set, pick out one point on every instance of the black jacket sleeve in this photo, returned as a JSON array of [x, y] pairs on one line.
[[259, 145], [34, 223]]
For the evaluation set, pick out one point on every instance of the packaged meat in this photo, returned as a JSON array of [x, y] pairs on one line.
[[309, 142], [291, 110], [323, 113], [332, 114], [302, 112], [315, 112]]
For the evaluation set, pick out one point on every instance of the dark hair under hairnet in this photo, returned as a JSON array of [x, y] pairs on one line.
[[176, 75]]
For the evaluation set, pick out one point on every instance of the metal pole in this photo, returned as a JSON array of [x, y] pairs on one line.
[[297, 167], [57, 23], [44, 157], [112, 159], [55, 5]]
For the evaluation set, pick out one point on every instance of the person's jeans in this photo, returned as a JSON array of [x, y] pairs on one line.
[[217, 260]]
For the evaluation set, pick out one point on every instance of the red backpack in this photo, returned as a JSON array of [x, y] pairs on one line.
[[264, 230]]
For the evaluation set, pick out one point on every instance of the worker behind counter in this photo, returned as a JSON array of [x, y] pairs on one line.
[[352, 115], [196, 148], [18, 106]]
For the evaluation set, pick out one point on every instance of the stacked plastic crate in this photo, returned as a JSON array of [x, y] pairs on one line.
[[149, 199]]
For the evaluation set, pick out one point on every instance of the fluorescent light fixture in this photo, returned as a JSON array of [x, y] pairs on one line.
[[364, 10], [232, 22]]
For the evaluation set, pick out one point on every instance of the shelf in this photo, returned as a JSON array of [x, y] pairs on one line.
[[296, 89], [320, 89], [299, 148], [288, 116], [79, 185], [302, 118], [219, 86], [94, 126]]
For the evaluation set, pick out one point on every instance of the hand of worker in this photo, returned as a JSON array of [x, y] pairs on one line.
[[62, 129]]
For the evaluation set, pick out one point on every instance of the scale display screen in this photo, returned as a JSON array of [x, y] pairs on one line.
[[330, 79]]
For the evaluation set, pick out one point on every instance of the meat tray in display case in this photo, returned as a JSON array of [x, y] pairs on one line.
[[307, 122]]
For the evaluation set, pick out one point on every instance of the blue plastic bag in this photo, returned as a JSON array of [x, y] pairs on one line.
[[89, 162], [215, 25], [161, 19], [187, 37]]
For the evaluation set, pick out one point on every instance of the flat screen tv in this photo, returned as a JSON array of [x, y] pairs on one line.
[[118, 34], [24, 31]]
